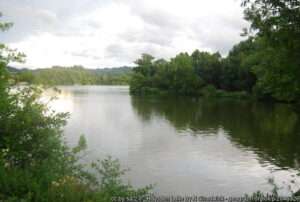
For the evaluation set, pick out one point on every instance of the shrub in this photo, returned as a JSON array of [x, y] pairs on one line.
[[36, 164]]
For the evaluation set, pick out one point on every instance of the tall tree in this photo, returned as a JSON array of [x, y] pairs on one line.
[[208, 66], [237, 72], [277, 25]]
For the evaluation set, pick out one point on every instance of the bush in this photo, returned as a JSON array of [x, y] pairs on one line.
[[36, 164]]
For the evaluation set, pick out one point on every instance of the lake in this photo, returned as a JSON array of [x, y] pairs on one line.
[[186, 146]]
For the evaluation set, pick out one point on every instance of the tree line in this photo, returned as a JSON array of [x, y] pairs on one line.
[[58, 75], [266, 65]]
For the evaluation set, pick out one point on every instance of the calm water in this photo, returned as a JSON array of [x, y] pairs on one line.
[[186, 146]]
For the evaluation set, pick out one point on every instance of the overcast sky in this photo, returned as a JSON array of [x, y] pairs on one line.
[[111, 33]]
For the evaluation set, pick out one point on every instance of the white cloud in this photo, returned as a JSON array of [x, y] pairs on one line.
[[112, 33]]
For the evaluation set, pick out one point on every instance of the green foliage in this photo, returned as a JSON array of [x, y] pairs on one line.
[[184, 80], [208, 67], [277, 76], [176, 76], [35, 163], [42, 184], [74, 75], [276, 24], [237, 73], [266, 65], [201, 73], [111, 184]]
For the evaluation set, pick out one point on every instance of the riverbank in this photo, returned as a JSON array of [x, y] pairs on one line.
[[206, 92]]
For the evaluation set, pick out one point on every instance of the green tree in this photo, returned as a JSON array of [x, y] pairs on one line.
[[237, 73], [277, 25], [208, 66], [185, 79], [141, 80], [145, 65], [176, 76]]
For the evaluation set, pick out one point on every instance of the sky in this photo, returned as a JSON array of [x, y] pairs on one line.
[[114, 33]]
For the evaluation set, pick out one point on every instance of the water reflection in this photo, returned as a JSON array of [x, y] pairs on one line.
[[271, 130], [60, 101], [185, 146]]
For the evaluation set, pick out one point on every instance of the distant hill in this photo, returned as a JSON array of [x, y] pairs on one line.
[[108, 71], [58, 75], [13, 69], [113, 71]]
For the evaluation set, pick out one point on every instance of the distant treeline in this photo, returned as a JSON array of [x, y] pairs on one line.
[[265, 66], [58, 75]]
